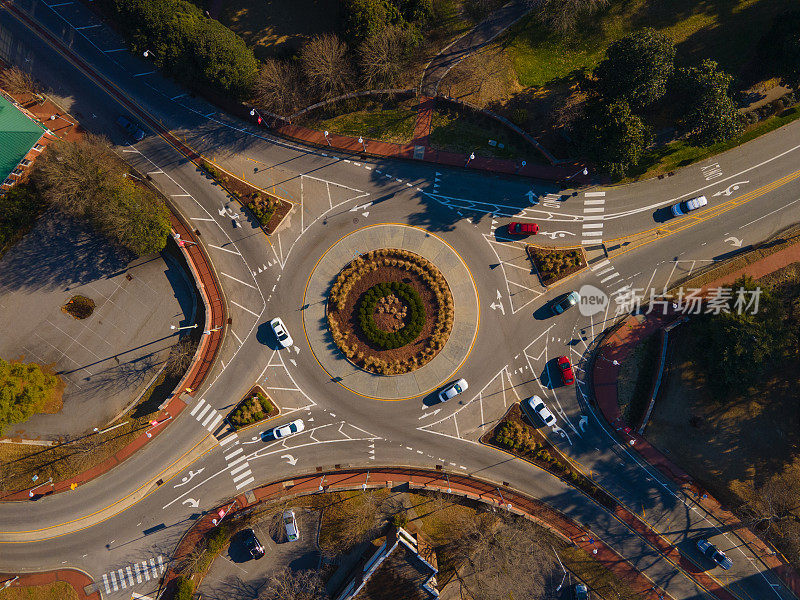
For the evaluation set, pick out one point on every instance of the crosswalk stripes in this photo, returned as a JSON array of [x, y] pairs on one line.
[[593, 209], [208, 417], [238, 466], [123, 578]]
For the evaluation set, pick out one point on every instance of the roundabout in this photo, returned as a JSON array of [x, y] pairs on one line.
[[410, 364]]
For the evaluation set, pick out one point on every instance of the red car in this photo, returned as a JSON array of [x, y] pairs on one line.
[[565, 368], [522, 228]]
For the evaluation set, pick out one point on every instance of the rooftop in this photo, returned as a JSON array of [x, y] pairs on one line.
[[18, 134]]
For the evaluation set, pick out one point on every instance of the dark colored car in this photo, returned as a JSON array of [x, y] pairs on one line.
[[565, 303], [711, 552], [131, 128], [565, 368], [250, 541], [581, 592], [523, 228]]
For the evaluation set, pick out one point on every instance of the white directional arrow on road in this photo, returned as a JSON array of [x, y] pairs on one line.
[[191, 502], [290, 459], [532, 198], [734, 241], [430, 414], [583, 422], [361, 207]]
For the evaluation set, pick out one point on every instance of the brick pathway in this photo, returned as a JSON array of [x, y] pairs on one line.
[[432, 480], [422, 125], [617, 347], [77, 579]]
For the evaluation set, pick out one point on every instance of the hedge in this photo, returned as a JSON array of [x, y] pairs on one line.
[[415, 320]]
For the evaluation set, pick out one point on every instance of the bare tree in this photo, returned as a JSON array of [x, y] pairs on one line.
[[16, 81], [278, 86], [326, 65], [293, 585], [75, 176], [381, 57], [181, 355], [563, 15]]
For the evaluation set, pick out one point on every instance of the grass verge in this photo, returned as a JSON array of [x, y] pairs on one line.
[[58, 590], [387, 120]]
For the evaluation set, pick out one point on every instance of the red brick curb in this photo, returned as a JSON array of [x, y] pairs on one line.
[[501, 496], [616, 347], [77, 579]]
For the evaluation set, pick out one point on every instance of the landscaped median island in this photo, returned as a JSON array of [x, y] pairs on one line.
[[554, 264], [515, 435], [58, 590], [268, 210], [256, 406], [390, 311]]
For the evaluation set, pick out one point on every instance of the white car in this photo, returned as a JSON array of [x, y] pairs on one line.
[[290, 524], [279, 329], [682, 208], [452, 391], [538, 408], [287, 430]]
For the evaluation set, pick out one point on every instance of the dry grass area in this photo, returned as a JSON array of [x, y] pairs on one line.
[[744, 449], [59, 590]]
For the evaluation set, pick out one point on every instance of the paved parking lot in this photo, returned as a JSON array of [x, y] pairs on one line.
[[107, 359], [235, 575]]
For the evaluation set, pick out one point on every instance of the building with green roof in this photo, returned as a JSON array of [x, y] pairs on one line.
[[18, 134]]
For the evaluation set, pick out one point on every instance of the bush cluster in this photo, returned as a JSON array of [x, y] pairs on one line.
[[402, 259], [198, 51], [252, 410], [415, 321]]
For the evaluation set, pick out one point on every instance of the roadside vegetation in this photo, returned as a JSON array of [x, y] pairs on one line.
[[728, 412], [59, 590], [19, 208], [26, 389], [389, 119], [86, 180], [254, 408], [636, 379], [553, 265]]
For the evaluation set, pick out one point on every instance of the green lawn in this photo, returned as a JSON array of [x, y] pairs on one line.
[[725, 30], [681, 153], [388, 121], [456, 132]]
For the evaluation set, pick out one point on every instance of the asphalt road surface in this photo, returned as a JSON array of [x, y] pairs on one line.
[[126, 518]]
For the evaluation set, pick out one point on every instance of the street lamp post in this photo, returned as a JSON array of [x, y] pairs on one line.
[[210, 331], [148, 54], [180, 241], [7, 583], [321, 483], [326, 137], [585, 172], [471, 157], [502, 500], [449, 491], [154, 424], [181, 328], [362, 142], [364, 485], [521, 166], [254, 113], [48, 482]]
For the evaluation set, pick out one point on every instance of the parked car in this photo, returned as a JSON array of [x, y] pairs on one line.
[[685, 207], [287, 430], [131, 128], [522, 228], [565, 368], [565, 303], [279, 329], [534, 407], [452, 391], [290, 524], [250, 541], [711, 552], [581, 592]]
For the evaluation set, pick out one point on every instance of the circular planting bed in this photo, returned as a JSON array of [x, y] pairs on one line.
[[390, 311], [79, 307]]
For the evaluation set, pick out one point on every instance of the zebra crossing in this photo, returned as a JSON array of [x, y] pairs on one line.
[[238, 466], [608, 274], [141, 572], [208, 417], [593, 209]]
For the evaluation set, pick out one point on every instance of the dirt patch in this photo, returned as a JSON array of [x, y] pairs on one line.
[[636, 379], [554, 264], [58, 590], [79, 307], [256, 406], [370, 270]]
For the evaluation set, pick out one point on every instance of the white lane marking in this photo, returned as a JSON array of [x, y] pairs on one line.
[[197, 406], [591, 233], [210, 416], [769, 213], [104, 51], [601, 264], [224, 249], [153, 565], [143, 74], [593, 217], [227, 440], [245, 482], [213, 425], [236, 452], [161, 566], [604, 271], [239, 468], [114, 581], [593, 210], [242, 476], [87, 27], [594, 202], [122, 579], [105, 582], [610, 277], [236, 336], [594, 194], [592, 225], [130, 575], [245, 309], [238, 280], [145, 571], [203, 412], [138, 575]]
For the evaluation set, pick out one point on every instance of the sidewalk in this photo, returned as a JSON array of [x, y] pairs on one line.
[[77, 579], [618, 345], [425, 479]]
